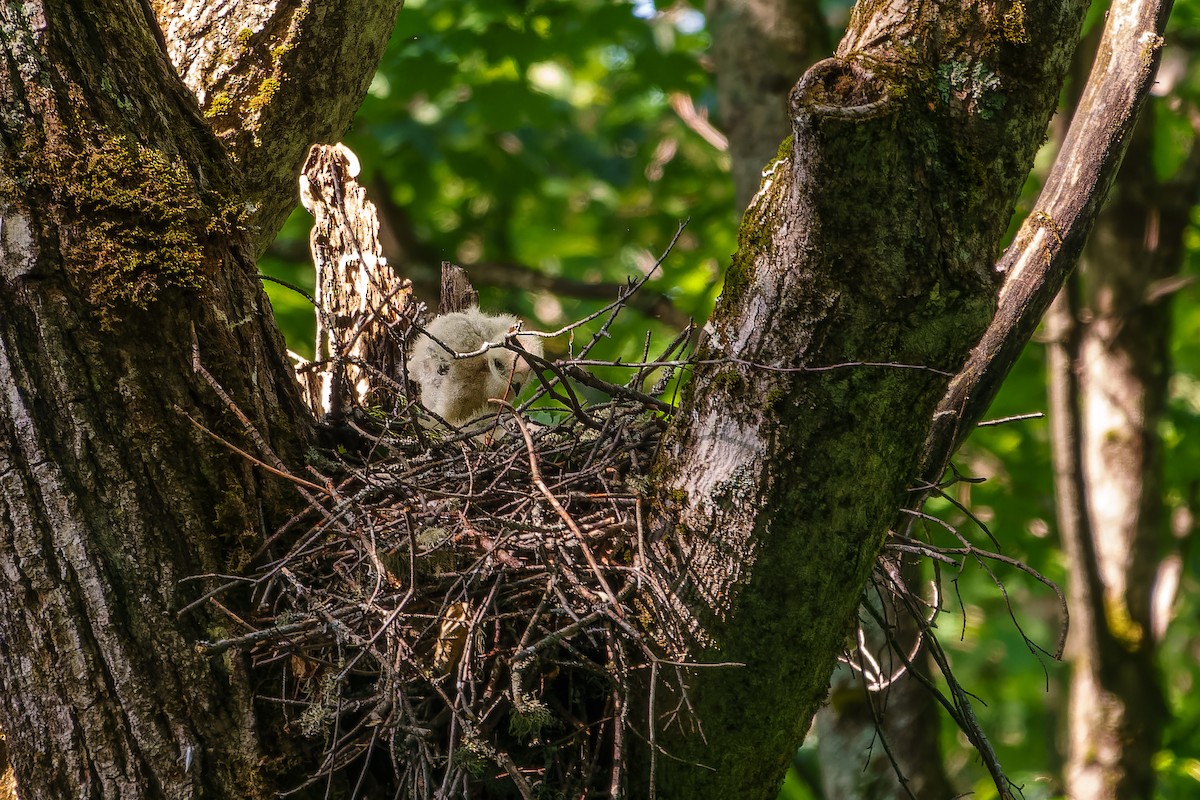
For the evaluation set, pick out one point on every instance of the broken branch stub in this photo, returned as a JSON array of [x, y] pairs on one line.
[[363, 307], [457, 292]]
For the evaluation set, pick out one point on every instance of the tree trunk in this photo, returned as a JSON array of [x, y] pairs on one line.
[[757, 47], [124, 245], [1108, 375], [844, 312]]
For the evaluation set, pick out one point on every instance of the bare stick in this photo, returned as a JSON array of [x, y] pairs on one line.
[[609, 594]]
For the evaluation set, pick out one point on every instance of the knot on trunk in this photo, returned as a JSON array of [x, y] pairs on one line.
[[836, 87]]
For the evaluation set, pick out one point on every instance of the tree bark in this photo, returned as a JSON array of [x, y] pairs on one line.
[[757, 47], [361, 301], [273, 78], [124, 244], [844, 312]]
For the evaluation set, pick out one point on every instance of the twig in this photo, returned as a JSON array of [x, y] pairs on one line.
[[273, 470], [609, 594]]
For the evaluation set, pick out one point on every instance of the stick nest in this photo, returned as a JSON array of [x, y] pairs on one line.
[[475, 614]]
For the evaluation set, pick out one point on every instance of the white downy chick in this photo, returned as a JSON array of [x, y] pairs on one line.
[[458, 390]]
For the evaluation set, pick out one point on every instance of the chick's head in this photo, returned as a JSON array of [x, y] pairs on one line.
[[458, 390]]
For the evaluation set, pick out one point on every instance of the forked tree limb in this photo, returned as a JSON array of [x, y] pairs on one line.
[[872, 242], [122, 237], [273, 77], [1049, 243]]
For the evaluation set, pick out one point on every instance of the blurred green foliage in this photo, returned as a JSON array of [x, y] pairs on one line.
[[540, 135]]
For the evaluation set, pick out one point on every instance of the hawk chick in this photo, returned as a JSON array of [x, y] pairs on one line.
[[458, 390]]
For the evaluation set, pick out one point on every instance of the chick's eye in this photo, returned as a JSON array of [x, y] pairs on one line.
[[498, 364]]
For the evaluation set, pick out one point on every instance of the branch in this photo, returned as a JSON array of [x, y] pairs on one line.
[[273, 77], [1050, 241]]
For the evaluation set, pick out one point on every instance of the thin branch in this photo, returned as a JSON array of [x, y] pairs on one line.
[[282, 473], [981, 556]]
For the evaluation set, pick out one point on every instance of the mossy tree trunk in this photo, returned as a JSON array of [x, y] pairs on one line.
[[863, 279], [125, 240], [758, 46]]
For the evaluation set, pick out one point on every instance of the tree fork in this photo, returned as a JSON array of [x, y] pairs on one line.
[[861, 282]]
